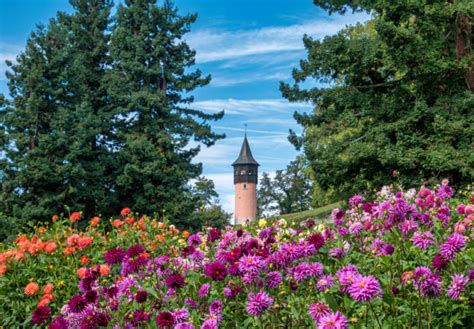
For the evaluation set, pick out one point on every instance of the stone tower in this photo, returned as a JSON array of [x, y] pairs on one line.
[[245, 182]]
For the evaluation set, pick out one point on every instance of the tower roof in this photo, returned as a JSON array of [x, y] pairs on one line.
[[245, 156]]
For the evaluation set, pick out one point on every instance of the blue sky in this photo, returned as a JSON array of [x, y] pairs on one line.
[[248, 46]]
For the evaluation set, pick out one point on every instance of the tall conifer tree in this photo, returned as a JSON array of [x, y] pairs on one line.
[[32, 180], [156, 130]]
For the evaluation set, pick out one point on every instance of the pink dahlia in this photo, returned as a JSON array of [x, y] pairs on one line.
[[365, 288], [457, 286], [318, 310], [356, 228], [258, 303], [333, 321], [453, 245]]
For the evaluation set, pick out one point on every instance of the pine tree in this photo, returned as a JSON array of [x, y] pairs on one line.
[[156, 130], [32, 181], [86, 124]]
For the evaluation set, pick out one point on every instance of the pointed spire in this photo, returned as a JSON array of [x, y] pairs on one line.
[[245, 156]]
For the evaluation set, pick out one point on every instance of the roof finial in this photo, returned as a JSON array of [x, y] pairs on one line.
[[245, 129]]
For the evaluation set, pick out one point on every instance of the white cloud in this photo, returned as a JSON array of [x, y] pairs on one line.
[[7, 52], [232, 80], [215, 45], [250, 106]]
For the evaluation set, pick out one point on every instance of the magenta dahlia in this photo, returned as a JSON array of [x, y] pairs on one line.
[[333, 321], [77, 303], [258, 303], [164, 320], [318, 310], [114, 256], [175, 281], [135, 250], [216, 270], [41, 314], [59, 323], [439, 263], [316, 240], [365, 288]]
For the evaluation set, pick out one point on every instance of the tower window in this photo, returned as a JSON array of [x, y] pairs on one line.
[[250, 172], [245, 186], [242, 172]]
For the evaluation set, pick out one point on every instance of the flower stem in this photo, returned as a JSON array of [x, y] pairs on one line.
[[375, 315]]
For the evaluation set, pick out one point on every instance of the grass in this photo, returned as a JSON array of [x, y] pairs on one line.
[[318, 213]]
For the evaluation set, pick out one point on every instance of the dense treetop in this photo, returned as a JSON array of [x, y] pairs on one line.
[[393, 94]]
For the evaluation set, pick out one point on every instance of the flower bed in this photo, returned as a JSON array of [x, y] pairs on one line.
[[402, 260]]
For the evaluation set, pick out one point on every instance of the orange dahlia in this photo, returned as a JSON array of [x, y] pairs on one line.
[[48, 289], [94, 221], [118, 223], [104, 270], [31, 289], [81, 272], [84, 260], [75, 216], [3, 270], [50, 247]]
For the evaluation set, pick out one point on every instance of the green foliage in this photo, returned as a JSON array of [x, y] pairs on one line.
[[99, 115], [393, 94], [289, 191]]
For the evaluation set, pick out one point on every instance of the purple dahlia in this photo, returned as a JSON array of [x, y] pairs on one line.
[[164, 320], [258, 303], [453, 245], [175, 281], [114, 256], [457, 286], [216, 270], [41, 314], [77, 304]]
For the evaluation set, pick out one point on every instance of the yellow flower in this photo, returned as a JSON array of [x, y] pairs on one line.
[[262, 223], [320, 228], [282, 222]]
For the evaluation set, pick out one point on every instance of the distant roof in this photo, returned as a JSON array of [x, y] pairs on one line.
[[245, 156]]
